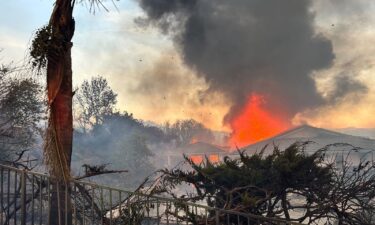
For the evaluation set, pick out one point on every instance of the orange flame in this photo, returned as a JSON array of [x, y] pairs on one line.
[[256, 123], [197, 159], [194, 140]]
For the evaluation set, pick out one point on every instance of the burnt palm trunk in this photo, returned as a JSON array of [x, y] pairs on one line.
[[58, 148]]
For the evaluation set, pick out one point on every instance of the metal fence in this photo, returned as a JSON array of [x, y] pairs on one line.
[[30, 198]]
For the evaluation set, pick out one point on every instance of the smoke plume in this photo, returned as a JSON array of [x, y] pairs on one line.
[[242, 47]]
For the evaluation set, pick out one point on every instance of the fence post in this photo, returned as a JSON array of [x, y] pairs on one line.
[[23, 198], [217, 217]]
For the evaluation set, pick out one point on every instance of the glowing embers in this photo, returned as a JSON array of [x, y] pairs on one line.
[[214, 158], [198, 159], [256, 122], [194, 140]]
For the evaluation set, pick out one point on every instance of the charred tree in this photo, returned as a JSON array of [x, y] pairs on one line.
[[58, 147], [51, 48]]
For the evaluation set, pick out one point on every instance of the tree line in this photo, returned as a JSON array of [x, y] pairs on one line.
[[102, 133]]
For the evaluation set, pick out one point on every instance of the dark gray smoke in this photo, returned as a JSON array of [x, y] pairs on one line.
[[248, 46], [346, 84]]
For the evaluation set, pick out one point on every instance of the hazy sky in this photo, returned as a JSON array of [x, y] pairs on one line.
[[150, 72]]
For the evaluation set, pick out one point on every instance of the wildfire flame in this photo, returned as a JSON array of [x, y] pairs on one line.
[[256, 123], [194, 140]]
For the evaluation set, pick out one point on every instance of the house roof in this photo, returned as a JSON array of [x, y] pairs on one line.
[[200, 148], [317, 136]]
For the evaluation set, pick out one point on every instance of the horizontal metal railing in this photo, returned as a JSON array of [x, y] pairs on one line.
[[27, 198]]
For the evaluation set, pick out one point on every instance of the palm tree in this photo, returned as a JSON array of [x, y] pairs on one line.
[[51, 48], [58, 148]]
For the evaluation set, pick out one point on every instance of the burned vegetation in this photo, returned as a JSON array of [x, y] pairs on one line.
[[287, 184]]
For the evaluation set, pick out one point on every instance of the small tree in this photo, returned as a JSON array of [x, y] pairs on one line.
[[351, 199], [23, 103], [22, 110], [95, 100], [187, 131]]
